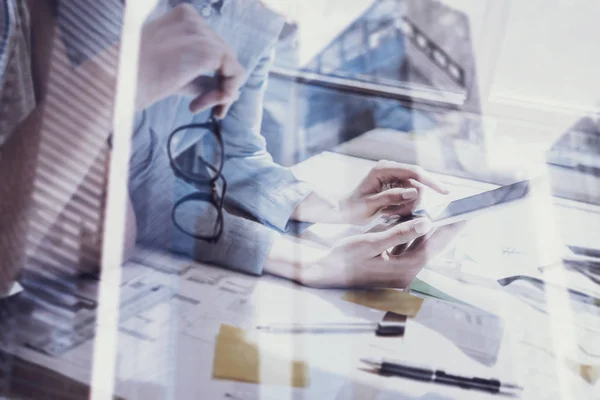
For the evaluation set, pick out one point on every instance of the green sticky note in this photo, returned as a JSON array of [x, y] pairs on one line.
[[421, 287]]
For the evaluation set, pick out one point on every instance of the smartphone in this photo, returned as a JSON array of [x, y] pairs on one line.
[[469, 207]]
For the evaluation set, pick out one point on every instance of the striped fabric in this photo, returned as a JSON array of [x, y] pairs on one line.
[[52, 201], [17, 157], [16, 85], [66, 226]]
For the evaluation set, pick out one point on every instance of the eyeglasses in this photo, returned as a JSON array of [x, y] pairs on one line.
[[207, 173]]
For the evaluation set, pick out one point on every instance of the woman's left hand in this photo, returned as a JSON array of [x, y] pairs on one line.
[[391, 189]]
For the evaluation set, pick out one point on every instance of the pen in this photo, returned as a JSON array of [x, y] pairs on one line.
[[384, 328], [405, 370]]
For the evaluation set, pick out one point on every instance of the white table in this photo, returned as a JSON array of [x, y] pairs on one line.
[[514, 241], [166, 347]]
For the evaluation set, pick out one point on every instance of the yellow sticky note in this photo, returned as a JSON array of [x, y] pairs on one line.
[[232, 331], [589, 373], [238, 357], [386, 300]]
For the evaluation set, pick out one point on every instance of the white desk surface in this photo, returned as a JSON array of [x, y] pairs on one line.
[[166, 350]]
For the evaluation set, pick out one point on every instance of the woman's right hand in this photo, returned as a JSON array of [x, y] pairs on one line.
[[388, 258], [179, 51]]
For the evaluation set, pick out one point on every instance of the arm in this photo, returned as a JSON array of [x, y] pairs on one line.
[[76, 82], [154, 189], [256, 184], [272, 193], [388, 258]]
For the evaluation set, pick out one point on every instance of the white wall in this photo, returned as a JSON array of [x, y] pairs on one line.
[[542, 54], [551, 53]]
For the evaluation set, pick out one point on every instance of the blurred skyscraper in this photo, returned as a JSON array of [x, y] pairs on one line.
[[421, 47]]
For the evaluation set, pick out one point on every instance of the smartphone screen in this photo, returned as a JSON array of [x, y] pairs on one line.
[[501, 195], [465, 206]]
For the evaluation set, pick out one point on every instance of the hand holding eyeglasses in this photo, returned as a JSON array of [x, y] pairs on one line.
[[208, 180], [179, 53]]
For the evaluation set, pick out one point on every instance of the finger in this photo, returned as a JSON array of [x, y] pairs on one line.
[[420, 240], [408, 262], [202, 83], [425, 178], [223, 89], [392, 197], [232, 74], [432, 246], [231, 77], [418, 186], [408, 207], [199, 86], [221, 110], [412, 245], [380, 227], [210, 99], [395, 171], [397, 250], [191, 90], [399, 211], [377, 242]]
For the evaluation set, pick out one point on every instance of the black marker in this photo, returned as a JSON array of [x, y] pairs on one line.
[[425, 374]]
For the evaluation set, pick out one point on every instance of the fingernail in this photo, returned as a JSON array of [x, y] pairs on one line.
[[422, 226], [409, 194]]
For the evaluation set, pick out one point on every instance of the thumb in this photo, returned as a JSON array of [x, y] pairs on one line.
[[378, 242], [212, 99], [392, 197]]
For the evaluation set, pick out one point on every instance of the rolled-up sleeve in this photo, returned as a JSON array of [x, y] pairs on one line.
[[256, 184], [244, 244]]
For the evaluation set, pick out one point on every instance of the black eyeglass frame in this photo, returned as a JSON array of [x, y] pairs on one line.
[[215, 198]]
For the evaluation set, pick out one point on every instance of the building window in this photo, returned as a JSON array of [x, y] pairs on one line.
[[404, 27], [385, 30], [331, 60], [354, 38]]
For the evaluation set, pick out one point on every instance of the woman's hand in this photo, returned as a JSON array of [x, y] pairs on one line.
[[386, 258], [178, 53], [391, 189], [366, 261]]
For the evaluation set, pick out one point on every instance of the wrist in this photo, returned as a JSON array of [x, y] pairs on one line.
[[291, 258], [318, 208]]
